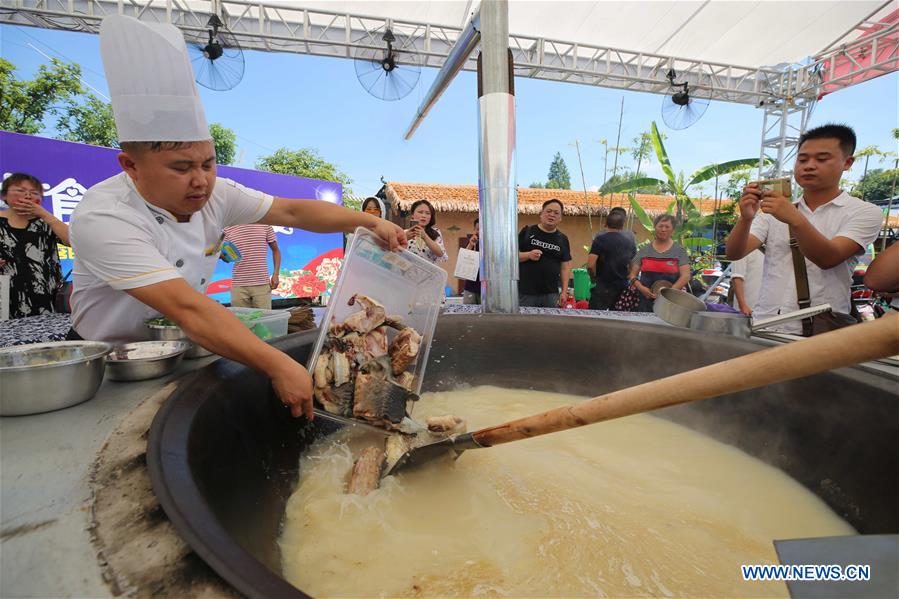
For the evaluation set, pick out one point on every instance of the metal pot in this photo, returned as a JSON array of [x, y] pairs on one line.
[[174, 333], [144, 360], [676, 307], [42, 377], [740, 325], [223, 452]]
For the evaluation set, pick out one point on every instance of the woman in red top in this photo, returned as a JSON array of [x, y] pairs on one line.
[[661, 260]]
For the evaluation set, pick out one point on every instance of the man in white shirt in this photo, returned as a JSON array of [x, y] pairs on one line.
[[832, 228], [147, 239]]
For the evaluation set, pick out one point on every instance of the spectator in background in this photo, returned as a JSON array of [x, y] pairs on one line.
[[424, 238], [472, 292], [375, 206], [545, 257], [609, 261], [831, 228], [28, 254], [251, 286], [626, 232], [746, 280], [661, 260]]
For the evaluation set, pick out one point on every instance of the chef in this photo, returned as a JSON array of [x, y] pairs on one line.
[[146, 240]]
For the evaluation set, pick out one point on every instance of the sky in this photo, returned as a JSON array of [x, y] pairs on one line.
[[295, 101]]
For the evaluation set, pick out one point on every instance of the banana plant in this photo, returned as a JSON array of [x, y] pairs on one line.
[[689, 219]]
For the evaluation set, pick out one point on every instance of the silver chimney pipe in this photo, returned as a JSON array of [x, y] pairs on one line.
[[461, 50], [497, 194]]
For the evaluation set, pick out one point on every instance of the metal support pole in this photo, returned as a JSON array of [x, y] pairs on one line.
[[497, 195]]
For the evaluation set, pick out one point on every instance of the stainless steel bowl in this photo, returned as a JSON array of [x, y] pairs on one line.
[[42, 377], [676, 307], [173, 333], [144, 359]]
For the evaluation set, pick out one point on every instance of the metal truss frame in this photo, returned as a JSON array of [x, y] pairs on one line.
[[271, 26]]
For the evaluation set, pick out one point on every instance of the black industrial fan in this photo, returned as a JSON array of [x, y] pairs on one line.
[[684, 106], [389, 72], [218, 63]]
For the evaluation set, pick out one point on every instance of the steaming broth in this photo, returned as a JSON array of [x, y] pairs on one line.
[[632, 507]]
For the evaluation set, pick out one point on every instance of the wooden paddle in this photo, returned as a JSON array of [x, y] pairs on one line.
[[836, 349]]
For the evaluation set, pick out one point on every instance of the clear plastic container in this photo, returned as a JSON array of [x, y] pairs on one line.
[[406, 285], [270, 325]]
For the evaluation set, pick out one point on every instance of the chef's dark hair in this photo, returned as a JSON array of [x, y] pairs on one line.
[[137, 147], [18, 178], [429, 228]]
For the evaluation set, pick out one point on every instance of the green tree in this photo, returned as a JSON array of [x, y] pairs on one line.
[[690, 220], [876, 185], [537, 185], [88, 119], [558, 177], [866, 153], [733, 188], [305, 162], [225, 141], [25, 103]]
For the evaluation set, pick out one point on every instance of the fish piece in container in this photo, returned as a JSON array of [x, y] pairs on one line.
[[370, 356]]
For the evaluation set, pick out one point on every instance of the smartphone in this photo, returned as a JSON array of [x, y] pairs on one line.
[[781, 185]]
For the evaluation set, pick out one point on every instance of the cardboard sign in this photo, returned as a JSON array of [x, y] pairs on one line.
[[467, 265]]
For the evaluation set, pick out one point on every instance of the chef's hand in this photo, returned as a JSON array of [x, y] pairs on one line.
[[563, 299], [275, 281], [393, 234], [746, 310], [293, 386], [780, 207], [535, 255]]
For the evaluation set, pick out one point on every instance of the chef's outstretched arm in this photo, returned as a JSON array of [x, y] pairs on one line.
[[214, 327], [324, 217]]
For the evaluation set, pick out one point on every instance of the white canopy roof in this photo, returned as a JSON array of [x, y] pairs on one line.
[[746, 33]]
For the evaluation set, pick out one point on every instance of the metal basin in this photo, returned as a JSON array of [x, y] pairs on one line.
[[144, 360], [224, 454], [676, 307], [43, 377]]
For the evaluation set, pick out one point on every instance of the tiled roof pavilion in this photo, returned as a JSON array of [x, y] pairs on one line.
[[464, 198]]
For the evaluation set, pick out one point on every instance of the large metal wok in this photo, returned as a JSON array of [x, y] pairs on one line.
[[223, 452]]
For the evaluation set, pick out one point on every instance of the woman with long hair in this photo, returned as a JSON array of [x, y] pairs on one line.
[[425, 238], [374, 205]]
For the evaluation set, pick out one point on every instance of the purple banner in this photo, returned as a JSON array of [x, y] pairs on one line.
[[67, 170]]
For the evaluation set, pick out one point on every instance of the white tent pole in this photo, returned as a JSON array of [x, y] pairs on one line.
[[497, 195]]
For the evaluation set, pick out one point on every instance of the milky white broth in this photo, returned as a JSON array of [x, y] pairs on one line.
[[631, 507]]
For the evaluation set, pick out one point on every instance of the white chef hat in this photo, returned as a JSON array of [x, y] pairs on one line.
[[154, 97]]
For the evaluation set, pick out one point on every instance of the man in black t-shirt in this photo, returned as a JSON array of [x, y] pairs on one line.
[[545, 257], [609, 261]]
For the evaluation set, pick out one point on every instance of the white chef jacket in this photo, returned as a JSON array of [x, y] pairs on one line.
[[843, 216], [123, 242]]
